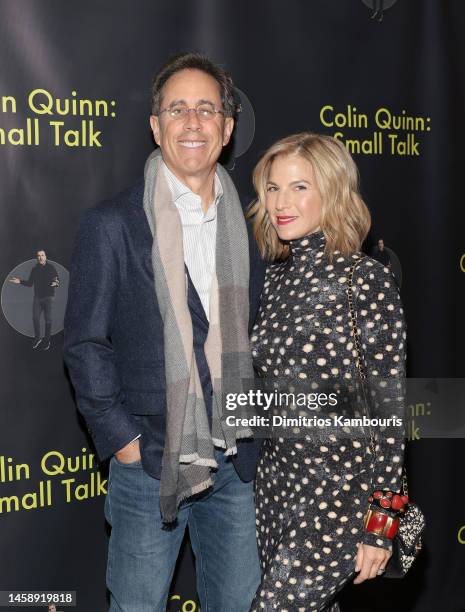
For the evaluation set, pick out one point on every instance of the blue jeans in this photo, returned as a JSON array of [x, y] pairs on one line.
[[142, 555]]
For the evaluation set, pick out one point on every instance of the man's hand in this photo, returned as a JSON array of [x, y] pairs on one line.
[[15, 280], [370, 561], [130, 453]]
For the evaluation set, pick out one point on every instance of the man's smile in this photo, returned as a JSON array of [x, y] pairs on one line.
[[192, 144]]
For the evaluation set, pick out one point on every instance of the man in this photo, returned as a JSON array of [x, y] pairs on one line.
[[155, 332], [381, 254], [44, 279]]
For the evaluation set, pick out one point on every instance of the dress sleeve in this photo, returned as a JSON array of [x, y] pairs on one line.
[[382, 335]]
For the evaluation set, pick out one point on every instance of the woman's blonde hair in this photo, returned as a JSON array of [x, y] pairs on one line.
[[345, 219]]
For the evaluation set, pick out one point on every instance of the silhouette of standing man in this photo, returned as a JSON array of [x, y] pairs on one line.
[[44, 279]]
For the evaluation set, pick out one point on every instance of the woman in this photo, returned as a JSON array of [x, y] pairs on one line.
[[311, 497]]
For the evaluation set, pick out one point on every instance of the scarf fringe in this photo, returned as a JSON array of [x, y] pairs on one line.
[[195, 459], [244, 433], [192, 458], [195, 490], [219, 443], [170, 519]]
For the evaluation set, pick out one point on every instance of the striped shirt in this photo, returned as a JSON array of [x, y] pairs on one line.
[[198, 233]]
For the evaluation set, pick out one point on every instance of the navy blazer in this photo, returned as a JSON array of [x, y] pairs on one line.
[[113, 336]]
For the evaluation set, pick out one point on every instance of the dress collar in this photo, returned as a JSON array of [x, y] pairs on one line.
[[308, 245]]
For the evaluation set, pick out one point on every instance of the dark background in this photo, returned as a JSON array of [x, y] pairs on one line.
[[290, 59]]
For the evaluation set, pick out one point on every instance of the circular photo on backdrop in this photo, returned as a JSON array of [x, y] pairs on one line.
[[379, 5], [244, 130], [245, 125], [33, 298]]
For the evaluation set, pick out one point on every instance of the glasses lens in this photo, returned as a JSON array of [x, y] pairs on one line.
[[177, 112], [205, 113]]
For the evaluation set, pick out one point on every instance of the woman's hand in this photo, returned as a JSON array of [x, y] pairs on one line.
[[370, 562]]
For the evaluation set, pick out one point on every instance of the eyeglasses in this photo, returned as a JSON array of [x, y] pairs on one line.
[[205, 112]]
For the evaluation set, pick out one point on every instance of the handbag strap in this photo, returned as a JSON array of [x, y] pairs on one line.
[[353, 320], [359, 360]]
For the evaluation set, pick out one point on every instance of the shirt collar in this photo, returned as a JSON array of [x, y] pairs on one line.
[[178, 189]]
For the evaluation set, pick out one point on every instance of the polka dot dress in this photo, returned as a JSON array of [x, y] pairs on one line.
[[311, 498]]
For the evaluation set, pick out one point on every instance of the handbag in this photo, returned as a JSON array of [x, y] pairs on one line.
[[407, 542]]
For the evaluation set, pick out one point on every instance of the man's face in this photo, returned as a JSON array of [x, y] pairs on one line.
[[52, 608], [41, 257], [190, 146], [381, 244]]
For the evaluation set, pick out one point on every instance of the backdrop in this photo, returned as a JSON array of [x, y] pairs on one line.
[[388, 78]]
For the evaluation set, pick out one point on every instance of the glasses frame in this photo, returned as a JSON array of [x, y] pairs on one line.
[[188, 109]]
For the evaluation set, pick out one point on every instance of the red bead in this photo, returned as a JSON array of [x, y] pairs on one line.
[[370, 499], [378, 494], [385, 503], [404, 498], [397, 502]]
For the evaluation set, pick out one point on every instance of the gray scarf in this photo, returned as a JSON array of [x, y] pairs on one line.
[[188, 456]]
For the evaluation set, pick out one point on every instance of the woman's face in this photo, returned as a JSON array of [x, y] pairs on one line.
[[292, 201]]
